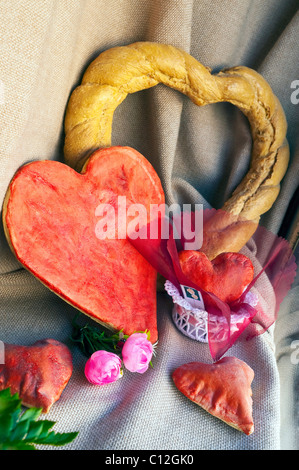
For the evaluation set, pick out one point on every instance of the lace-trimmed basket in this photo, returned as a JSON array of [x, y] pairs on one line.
[[193, 322]]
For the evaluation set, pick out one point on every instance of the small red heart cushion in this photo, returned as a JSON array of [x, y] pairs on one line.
[[38, 373], [223, 389], [51, 219], [226, 276]]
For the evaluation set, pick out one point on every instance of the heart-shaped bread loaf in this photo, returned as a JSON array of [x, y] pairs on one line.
[[226, 276], [38, 373], [120, 71], [51, 217], [223, 389]]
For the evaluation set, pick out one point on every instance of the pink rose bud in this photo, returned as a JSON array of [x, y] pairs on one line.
[[103, 367], [137, 353]]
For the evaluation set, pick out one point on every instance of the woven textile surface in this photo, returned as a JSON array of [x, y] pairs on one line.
[[200, 154]]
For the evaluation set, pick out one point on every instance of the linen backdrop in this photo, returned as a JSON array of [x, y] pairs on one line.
[[201, 154]]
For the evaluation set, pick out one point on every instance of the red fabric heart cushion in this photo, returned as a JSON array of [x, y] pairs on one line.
[[38, 373], [226, 276], [51, 219], [223, 389]]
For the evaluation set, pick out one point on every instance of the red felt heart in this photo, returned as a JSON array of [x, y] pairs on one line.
[[223, 389], [51, 220], [38, 373], [226, 276]]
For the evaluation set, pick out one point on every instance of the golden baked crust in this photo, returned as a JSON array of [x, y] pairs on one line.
[[127, 69]]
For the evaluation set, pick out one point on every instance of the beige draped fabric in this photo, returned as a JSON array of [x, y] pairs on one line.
[[201, 154]]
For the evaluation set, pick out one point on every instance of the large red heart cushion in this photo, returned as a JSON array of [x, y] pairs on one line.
[[51, 217], [226, 276], [223, 389]]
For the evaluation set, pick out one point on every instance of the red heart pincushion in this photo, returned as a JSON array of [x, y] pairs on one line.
[[38, 373], [50, 219], [226, 276], [223, 389]]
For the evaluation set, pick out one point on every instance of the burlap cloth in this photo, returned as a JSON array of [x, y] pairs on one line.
[[200, 155]]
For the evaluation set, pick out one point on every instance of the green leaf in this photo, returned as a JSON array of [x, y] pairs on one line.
[[39, 430], [57, 439], [9, 403], [36, 429], [21, 431], [91, 339], [22, 446], [16, 446], [6, 423], [31, 414]]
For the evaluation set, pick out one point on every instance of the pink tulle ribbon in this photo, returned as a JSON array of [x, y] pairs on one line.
[[275, 260]]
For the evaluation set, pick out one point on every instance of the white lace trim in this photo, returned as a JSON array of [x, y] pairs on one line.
[[193, 322]]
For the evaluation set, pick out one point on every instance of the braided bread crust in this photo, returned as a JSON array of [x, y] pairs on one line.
[[127, 69]]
